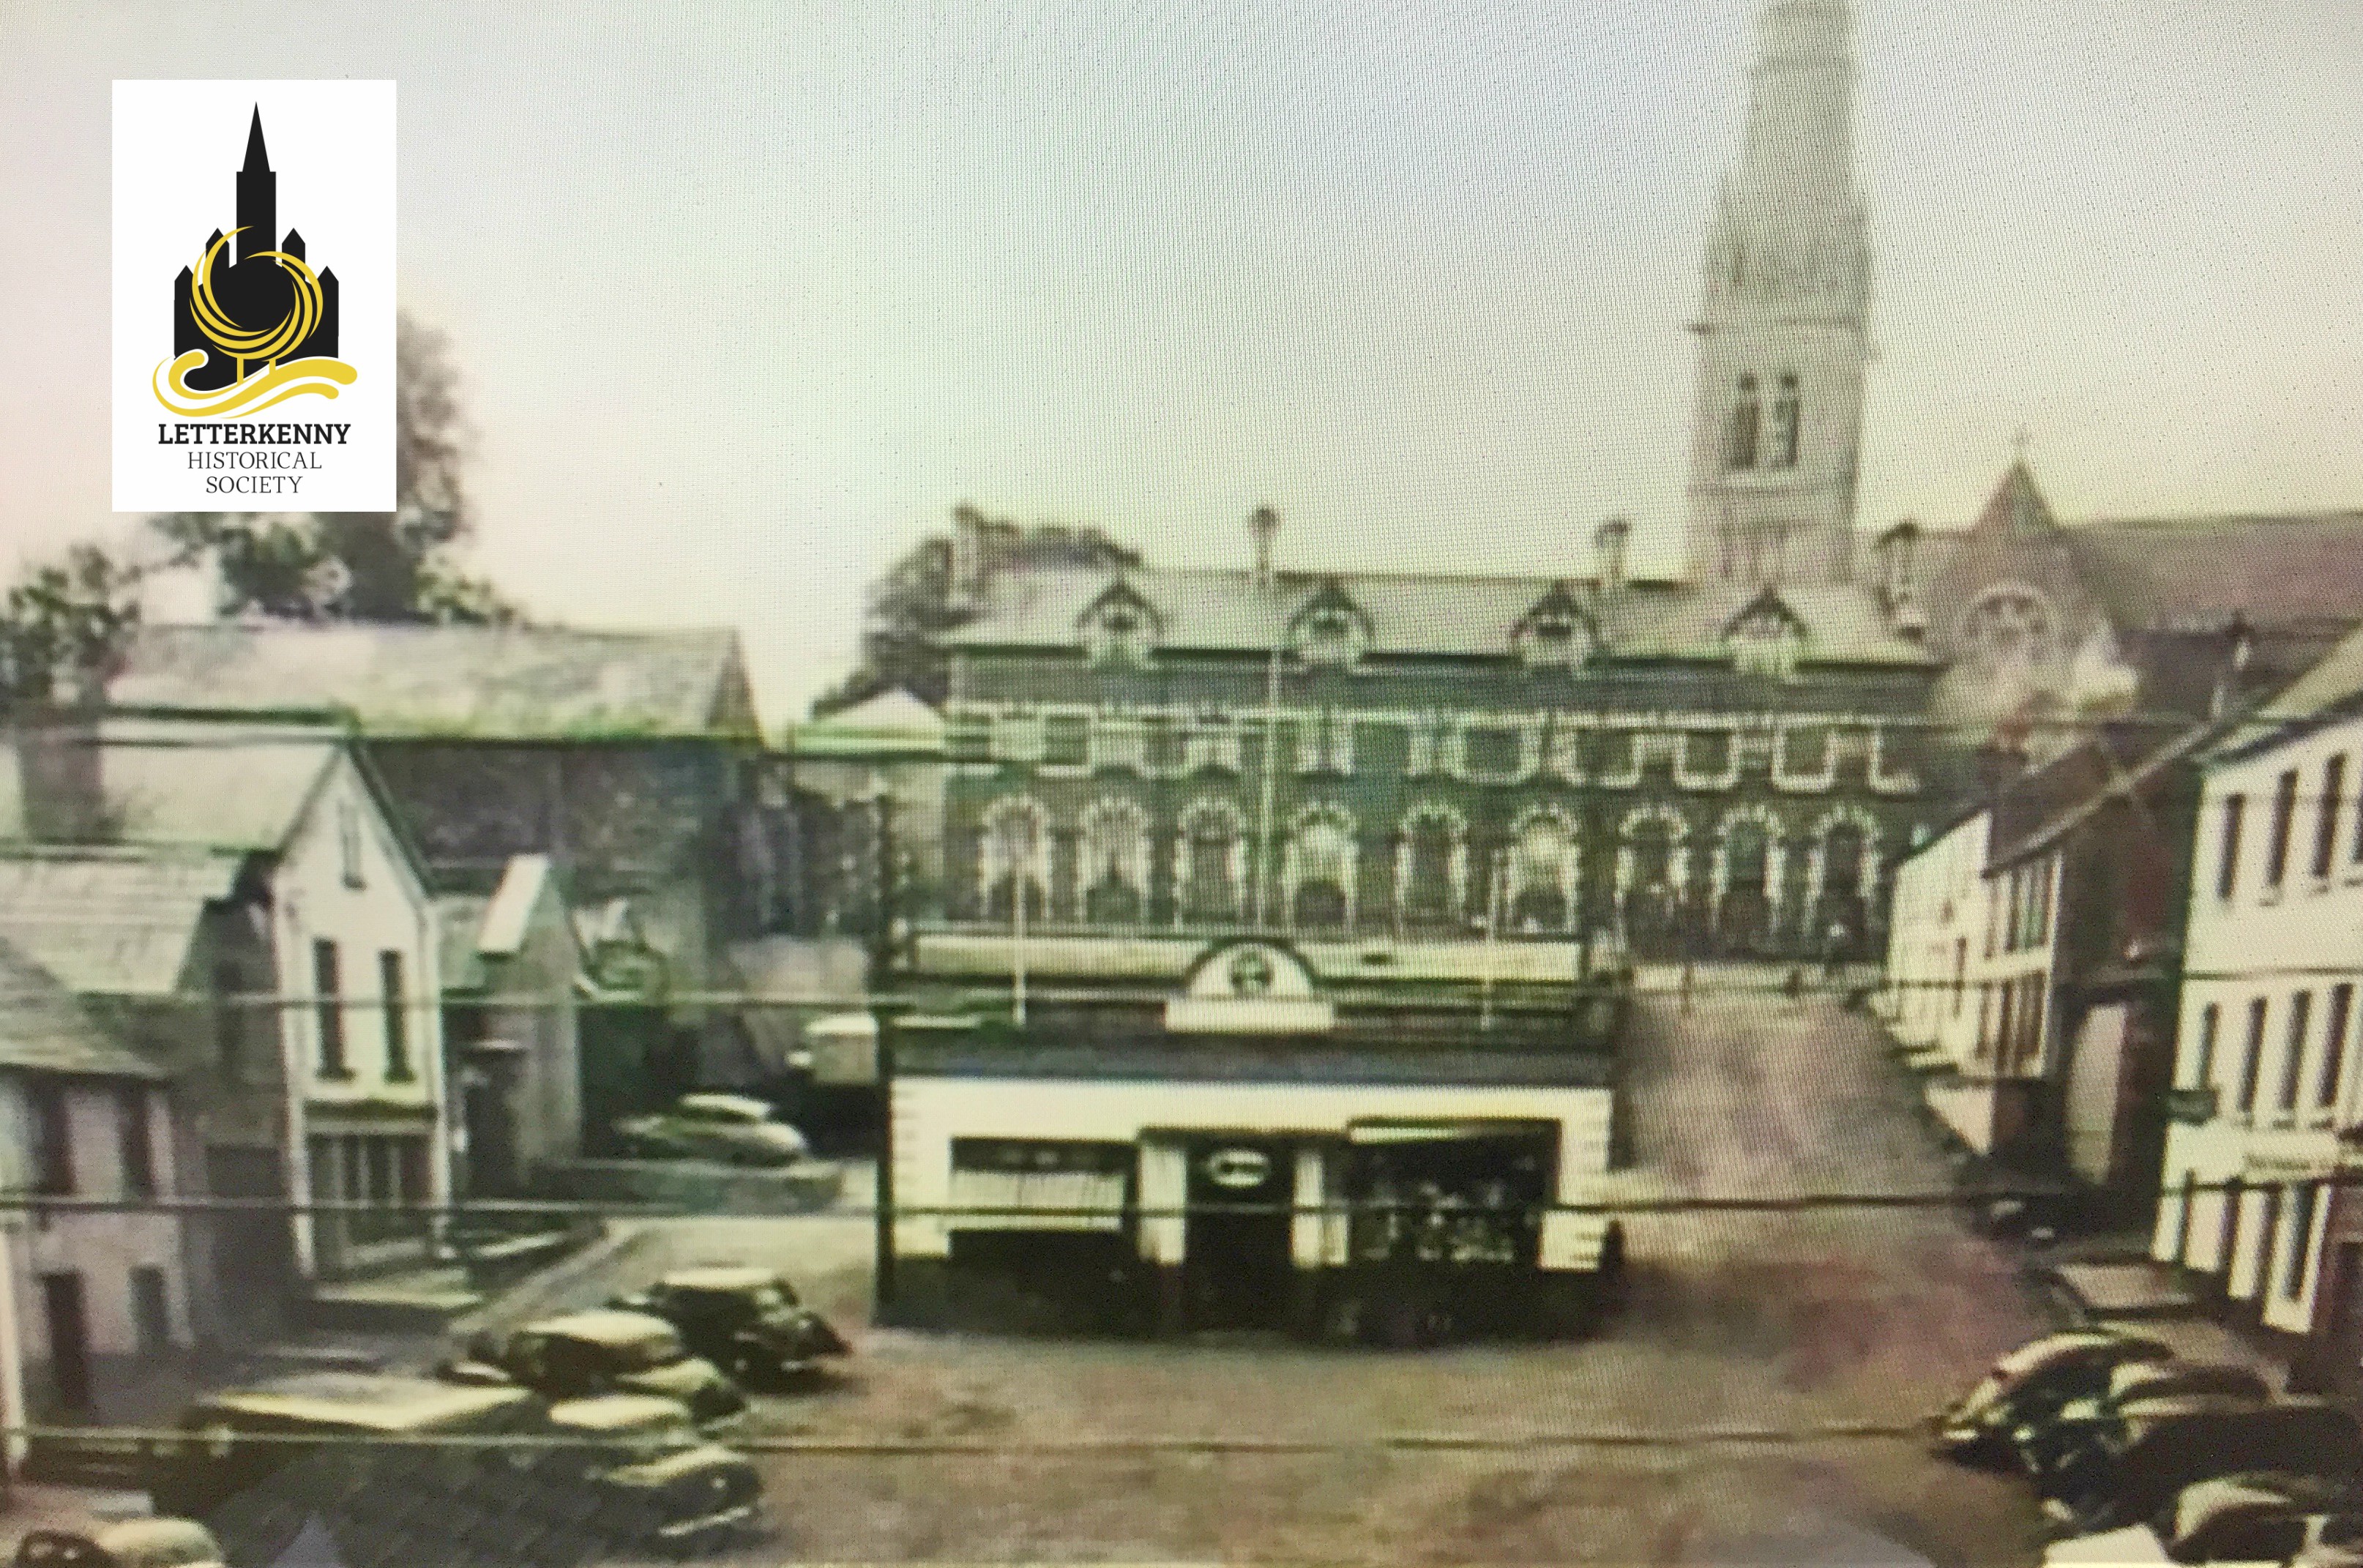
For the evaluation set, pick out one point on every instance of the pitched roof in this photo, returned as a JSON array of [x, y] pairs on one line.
[[2190, 573], [110, 922], [475, 927], [892, 723], [201, 785], [1216, 609], [44, 1029], [2331, 684], [502, 683]]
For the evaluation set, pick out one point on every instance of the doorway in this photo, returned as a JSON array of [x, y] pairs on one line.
[[69, 1327], [1237, 1270]]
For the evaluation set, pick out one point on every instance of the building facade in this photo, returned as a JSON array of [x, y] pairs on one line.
[[2265, 1062]]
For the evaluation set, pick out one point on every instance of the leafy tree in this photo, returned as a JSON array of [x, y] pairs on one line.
[[366, 566], [920, 598], [63, 625]]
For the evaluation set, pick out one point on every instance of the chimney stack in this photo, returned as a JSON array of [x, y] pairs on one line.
[[59, 782], [1263, 528], [1608, 554]]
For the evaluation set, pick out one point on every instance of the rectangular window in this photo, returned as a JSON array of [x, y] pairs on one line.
[[135, 1139], [2325, 822], [2252, 1058], [397, 1016], [1985, 1012], [1382, 751], [1161, 743], [968, 738], [2301, 1247], [52, 1130], [2334, 1047], [2211, 1018], [328, 1006], [349, 841], [1961, 971], [151, 1318], [2293, 1063], [2032, 1007], [1804, 749], [1707, 754], [1489, 751], [2277, 842], [229, 1029], [2227, 863], [1066, 740], [2043, 903]]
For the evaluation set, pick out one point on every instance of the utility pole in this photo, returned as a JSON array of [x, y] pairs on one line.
[[1270, 784]]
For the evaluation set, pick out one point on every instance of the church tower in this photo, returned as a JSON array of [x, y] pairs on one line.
[[1783, 321]]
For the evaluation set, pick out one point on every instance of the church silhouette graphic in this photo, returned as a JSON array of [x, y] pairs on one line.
[[256, 290]]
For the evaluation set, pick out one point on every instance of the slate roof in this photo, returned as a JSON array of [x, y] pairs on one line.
[[2190, 573], [498, 683], [215, 785], [44, 1029], [2330, 686], [110, 922], [1410, 614]]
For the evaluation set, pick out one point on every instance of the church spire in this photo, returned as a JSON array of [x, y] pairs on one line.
[[258, 195], [1782, 322], [258, 160]]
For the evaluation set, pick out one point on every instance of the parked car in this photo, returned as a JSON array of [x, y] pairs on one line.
[[126, 1543], [745, 1320], [2132, 1470], [654, 1480], [2042, 1446], [354, 1451], [579, 1355], [2246, 1518], [732, 1129], [2031, 1384]]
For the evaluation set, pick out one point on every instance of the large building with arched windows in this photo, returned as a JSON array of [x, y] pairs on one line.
[[1722, 765]]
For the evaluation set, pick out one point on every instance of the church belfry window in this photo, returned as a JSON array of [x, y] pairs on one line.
[[1785, 412], [1747, 419]]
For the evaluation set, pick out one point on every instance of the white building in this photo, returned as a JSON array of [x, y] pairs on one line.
[[1116, 1145], [289, 829], [2264, 1054], [88, 1298]]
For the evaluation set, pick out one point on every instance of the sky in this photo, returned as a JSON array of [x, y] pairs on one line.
[[746, 297]]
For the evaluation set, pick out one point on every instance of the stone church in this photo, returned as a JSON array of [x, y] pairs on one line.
[[1723, 765]]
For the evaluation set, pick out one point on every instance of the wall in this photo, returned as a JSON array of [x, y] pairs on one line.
[[1936, 939], [929, 1112], [103, 1248], [2275, 1112]]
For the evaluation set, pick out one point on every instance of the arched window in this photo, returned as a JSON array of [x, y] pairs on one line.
[[1014, 850], [1318, 872], [1431, 869], [1542, 866], [1115, 863], [1212, 861], [1785, 415], [1747, 421]]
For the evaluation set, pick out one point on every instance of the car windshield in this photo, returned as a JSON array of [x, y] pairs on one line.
[[644, 1353], [773, 1297]]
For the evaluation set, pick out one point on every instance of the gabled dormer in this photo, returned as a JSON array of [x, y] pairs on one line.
[[1120, 626], [1766, 637], [1329, 629], [1556, 633]]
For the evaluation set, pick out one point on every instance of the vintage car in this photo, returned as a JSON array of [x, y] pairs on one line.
[[730, 1129], [369, 1456], [578, 1354], [745, 1320], [2133, 1469], [2042, 1446], [650, 1478], [126, 1543], [2243, 1518], [2030, 1384]]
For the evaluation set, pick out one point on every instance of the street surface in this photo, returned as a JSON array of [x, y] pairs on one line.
[[1761, 1325]]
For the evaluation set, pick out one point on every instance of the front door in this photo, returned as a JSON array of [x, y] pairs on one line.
[[1236, 1264], [62, 1304]]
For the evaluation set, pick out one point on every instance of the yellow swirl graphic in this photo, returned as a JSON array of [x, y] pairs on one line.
[[277, 384], [303, 313]]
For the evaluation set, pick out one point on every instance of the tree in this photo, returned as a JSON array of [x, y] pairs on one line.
[[63, 624], [920, 598], [366, 566]]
